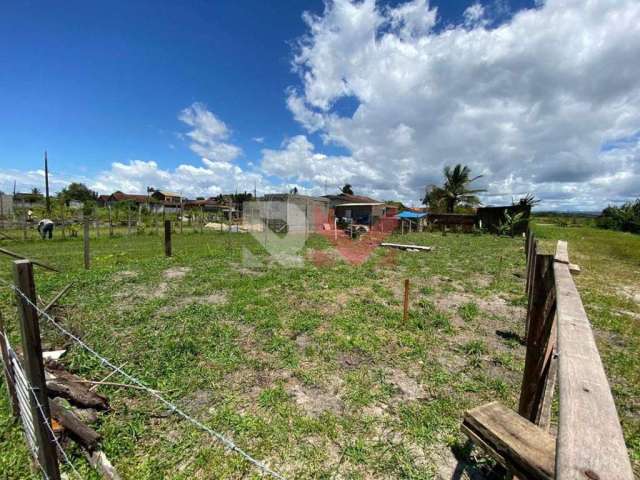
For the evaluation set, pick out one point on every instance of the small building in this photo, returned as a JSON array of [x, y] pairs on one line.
[[27, 200], [6, 205], [289, 212], [356, 208], [167, 198], [118, 196]]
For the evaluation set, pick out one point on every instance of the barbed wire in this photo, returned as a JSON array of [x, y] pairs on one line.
[[229, 444]]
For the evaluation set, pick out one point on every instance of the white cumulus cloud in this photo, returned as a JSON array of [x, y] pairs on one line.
[[531, 103]]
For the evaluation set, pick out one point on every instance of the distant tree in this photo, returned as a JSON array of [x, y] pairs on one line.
[[35, 192], [455, 192], [79, 192], [347, 190], [625, 218], [294, 191]]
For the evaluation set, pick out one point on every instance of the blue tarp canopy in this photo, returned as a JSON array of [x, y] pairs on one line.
[[411, 215]]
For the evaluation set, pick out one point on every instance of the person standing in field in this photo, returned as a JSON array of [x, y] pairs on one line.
[[45, 226]]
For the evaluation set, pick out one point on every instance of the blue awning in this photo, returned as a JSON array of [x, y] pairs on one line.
[[407, 215]]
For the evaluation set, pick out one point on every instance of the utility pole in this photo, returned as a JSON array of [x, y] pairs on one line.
[[46, 183]]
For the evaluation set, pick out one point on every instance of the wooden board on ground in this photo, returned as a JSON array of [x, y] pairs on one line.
[[522, 447], [406, 247]]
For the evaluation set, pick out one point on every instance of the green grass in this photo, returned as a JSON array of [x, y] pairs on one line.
[[311, 369]]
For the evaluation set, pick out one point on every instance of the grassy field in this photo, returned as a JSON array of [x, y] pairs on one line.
[[312, 368]]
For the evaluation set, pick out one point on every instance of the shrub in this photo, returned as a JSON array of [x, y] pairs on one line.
[[625, 218]]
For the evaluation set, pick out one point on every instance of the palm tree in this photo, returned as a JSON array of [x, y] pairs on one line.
[[347, 190], [455, 191]]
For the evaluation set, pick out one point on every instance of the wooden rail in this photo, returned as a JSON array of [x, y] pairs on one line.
[[590, 443], [560, 347]]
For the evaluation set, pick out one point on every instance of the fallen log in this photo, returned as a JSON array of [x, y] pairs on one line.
[[61, 383], [78, 430], [406, 247], [22, 257]]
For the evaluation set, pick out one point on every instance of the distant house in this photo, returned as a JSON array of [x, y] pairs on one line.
[[209, 205], [357, 208], [118, 197], [27, 200], [103, 200], [167, 198]]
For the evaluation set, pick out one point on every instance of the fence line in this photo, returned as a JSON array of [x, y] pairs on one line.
[[561, 347], [229, 444], [16, 378]]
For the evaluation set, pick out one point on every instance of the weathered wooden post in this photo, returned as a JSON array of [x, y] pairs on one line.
[[181, 214], [34, 369], [110, 222], [167, 238], [405, 314], [85, 241], [128, 220], [8, 371]]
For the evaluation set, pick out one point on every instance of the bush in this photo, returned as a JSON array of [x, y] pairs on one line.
[[625, 218]]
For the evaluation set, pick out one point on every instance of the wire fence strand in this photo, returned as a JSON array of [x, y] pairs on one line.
[[229, 444]]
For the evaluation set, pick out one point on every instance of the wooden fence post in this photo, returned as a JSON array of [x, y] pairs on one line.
[[8, 370], [128, 220], [405, 314], [85, 241], [167, 238], [110, 222], [540, 338], [33, 366]]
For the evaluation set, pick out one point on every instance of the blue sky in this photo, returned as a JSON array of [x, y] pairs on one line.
[[98, 84]]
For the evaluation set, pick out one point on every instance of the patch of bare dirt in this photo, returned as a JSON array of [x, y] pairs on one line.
[[408, 388], [632, 293], [351, 360], [316, 400], [481, 279], [217, 298], [124, 275], [137, 293], [175, 273]]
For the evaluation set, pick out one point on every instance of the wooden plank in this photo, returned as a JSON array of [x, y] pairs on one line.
[[405, 247], [562, 252], [81, 433], [590, 442], [519, 445], [22, 257]]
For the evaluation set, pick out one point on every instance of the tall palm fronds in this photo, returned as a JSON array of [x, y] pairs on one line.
[[455, 191]]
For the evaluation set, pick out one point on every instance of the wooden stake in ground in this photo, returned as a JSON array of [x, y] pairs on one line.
[[405, 314], [34, 369], [167, 238], [85, 239]]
